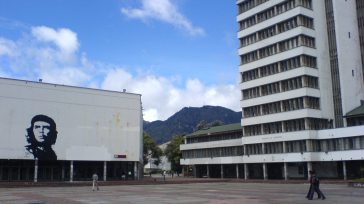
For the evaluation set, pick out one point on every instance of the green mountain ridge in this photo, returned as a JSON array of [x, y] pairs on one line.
[[185, 121]]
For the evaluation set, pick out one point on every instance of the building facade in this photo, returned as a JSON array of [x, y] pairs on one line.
[[54, 132], [302, 88], [211, 152]]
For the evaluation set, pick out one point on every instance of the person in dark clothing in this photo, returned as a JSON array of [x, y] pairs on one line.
[[41, 135], [314, 187]]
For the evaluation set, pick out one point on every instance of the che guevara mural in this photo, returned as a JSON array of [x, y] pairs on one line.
[[40, 136]]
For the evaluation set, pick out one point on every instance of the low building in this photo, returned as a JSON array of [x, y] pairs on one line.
[[213, 152], [53, 132], [222, 152]]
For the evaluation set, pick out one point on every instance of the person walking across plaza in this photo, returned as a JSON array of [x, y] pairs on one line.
[[315, 187], [95, 182]]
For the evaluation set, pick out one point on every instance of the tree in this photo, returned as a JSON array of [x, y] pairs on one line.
[[216, 123], [150, 149], [173, 152], [201, 125]]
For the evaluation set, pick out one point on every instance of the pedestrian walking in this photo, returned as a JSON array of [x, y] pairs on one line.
[[314, 187], [95, 182]]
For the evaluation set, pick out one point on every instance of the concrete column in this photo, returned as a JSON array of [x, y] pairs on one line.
[[246, 172], [299, 22], [284, 129], [263, 148], [356, 142], [51, 173], [344, 171], [305, 99], [71, 171], [260, 91], [309, 146], [194, 171], [136, 172], [62, 173], [105, 171], [208, 171], [261, 110], [237, 171], [36, 170], [265, 173], [284, 147], [309, 168], [285, 171], [19, 173], [306, 124], [262, 129], [222, 171]]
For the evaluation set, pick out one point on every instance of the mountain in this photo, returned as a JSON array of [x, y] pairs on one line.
[[185, 121]]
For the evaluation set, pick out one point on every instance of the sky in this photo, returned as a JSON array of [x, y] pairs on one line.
[[175, 53]]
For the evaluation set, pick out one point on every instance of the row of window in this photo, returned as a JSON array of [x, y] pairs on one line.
[[215, 137], [300, 40], [284, 26], [282, 66], [282, 106], [213, 152], [325, 145], [249, 4], [281, 86], [287, 126], [277, 147], [338, 144], [273, 11]]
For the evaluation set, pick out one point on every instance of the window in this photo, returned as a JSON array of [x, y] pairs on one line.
[[296, 146]]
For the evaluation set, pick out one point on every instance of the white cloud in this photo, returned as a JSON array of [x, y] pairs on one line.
[[68, 76], [6, 47], [161, 98], [46, 53], [163, 10], [63, 38], [41, 55]]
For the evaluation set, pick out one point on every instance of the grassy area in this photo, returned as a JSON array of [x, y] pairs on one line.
[[359, 180]]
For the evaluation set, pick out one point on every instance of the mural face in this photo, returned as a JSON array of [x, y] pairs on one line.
[[41, 135], [41, 130]]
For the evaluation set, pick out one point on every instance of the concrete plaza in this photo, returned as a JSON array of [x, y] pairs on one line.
[[193, 193]]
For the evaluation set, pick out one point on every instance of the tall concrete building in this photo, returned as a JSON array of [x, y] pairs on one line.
[[302, 83], [302, 92]]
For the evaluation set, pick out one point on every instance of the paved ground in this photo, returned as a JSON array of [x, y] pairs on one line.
[[193, 193]]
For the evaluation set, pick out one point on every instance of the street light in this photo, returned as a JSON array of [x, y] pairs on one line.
[[150, 162]]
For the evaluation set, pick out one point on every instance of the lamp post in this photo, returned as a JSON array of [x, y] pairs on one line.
[[150, 162]]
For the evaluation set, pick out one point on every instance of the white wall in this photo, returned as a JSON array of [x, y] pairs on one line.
[[91, 124], [323, 60], [352, 89]]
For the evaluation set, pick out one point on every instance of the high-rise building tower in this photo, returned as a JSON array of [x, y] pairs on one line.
[[302, 92], [301, 71]]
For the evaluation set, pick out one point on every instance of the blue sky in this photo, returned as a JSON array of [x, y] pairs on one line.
[[176, 53]]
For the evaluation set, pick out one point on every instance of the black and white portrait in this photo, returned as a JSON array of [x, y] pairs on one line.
[[41, 135]]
